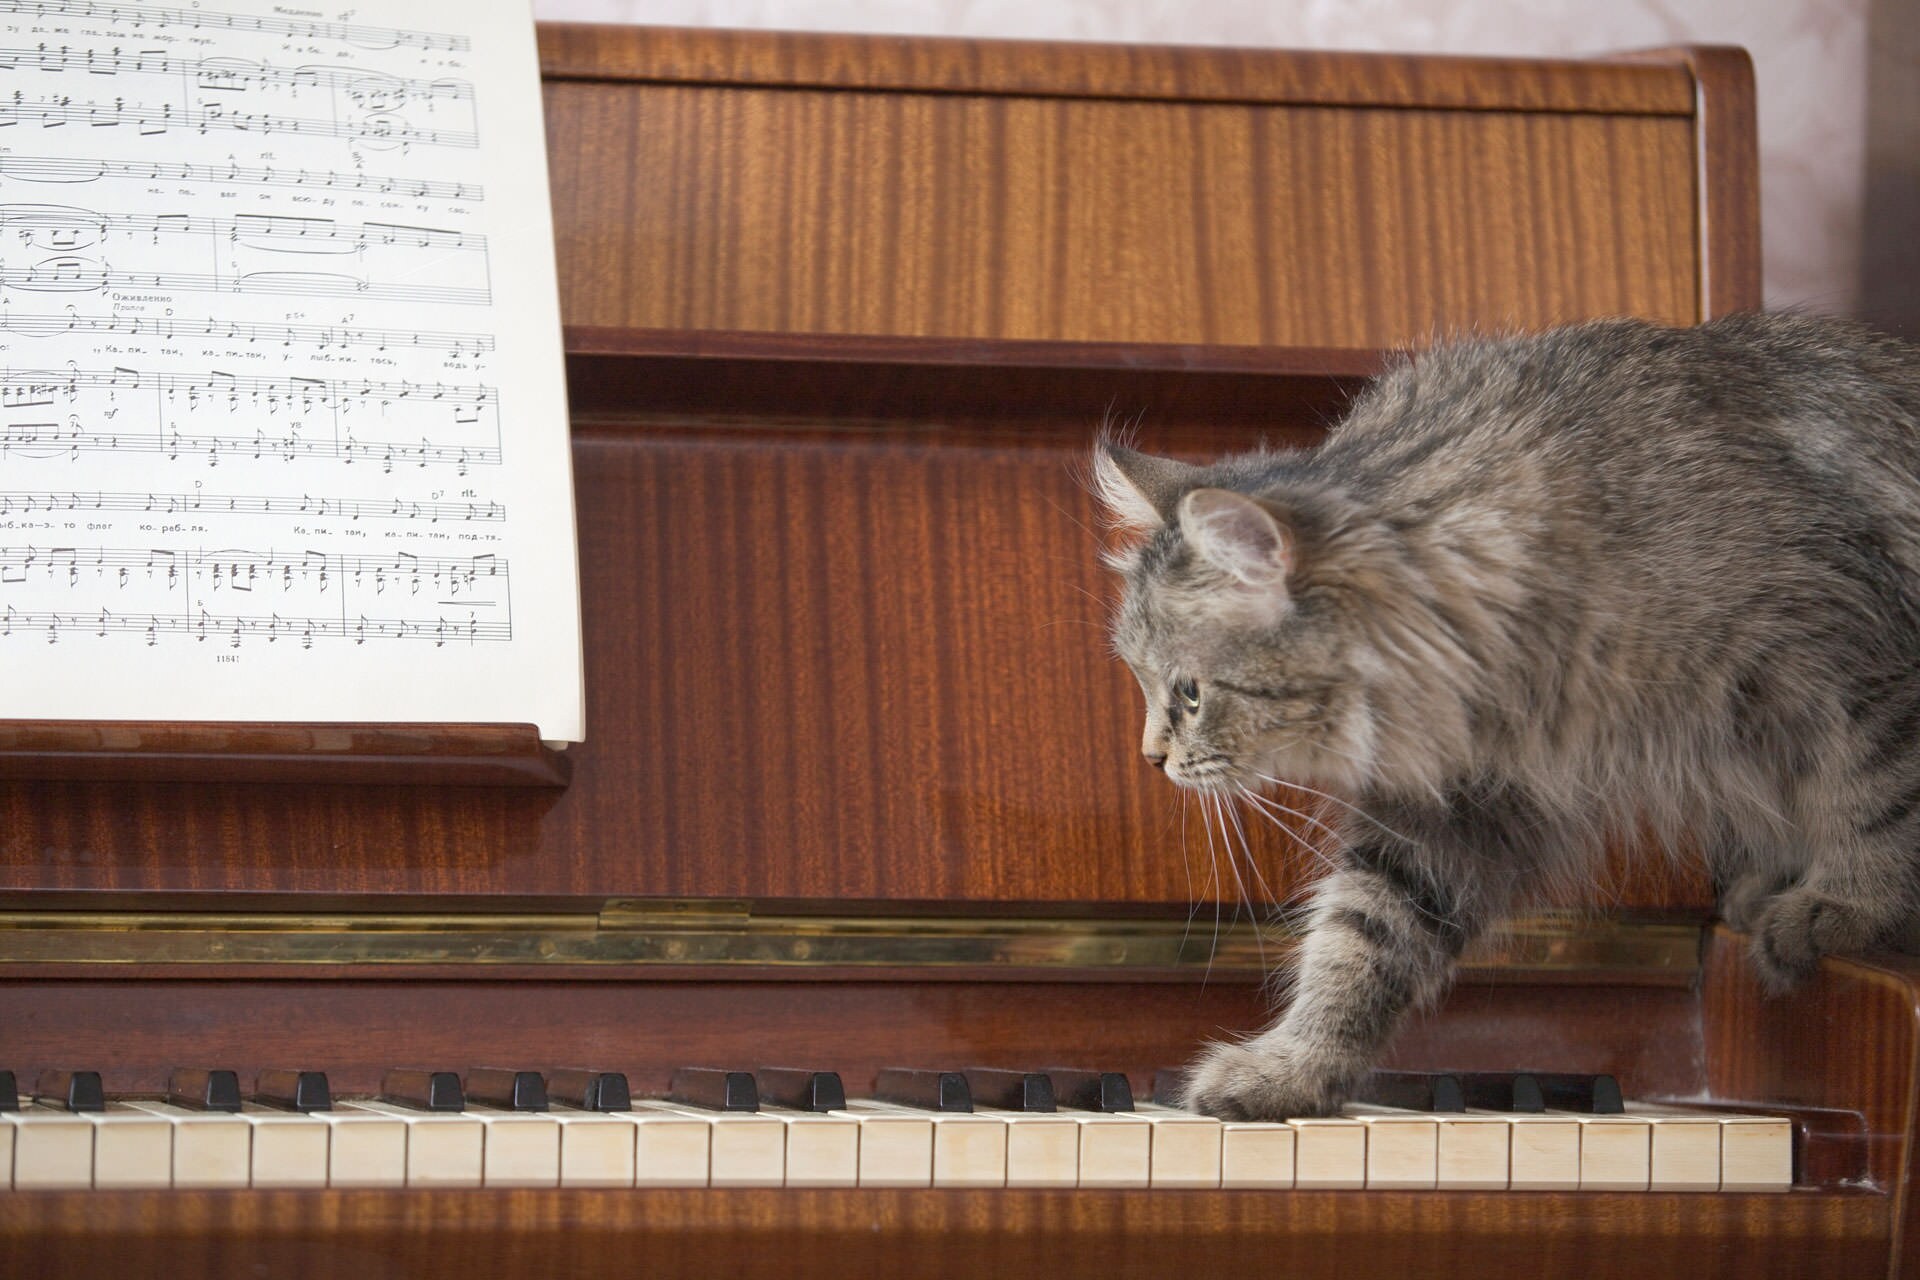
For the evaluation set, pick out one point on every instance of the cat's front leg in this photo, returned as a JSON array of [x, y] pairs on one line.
[[1383, 935]]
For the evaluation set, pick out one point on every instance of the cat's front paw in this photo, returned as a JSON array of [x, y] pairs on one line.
[[1246, 1082], [1794, 929]]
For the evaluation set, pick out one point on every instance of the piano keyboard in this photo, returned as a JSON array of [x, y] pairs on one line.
[[984, 1128]]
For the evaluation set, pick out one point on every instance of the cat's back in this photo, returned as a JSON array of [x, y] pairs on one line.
[[1638, 413]]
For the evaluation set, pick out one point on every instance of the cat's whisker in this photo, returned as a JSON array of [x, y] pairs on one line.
[[1348, 805], [1213, 860], [1269, 804], [1244, 898], [1253, 865], [1273, 811]]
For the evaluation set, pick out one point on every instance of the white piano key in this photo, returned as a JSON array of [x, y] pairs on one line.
[[1403, 1147], [1475, 1152], [6, 1153], [745, 1149], [1043, 1148], [969, 1151], [520, 1148], [1615, 1152], [1330, 1153], [1756, 1153], [1684, 1148], [1544, 1151], [597, 1149], [130, 1148], [896, 1144], [823, 1150], [364, 1149], [51, 1149], [444, 1148], [290, 1148], [1256, 1154], [1116, 1149], [969, 1147], [671, 1149], [210, 1148], [1186, 1147]]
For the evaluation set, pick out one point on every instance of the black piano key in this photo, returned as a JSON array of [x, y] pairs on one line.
[[1500, 1091], [1091, 1090], [590, 1090], [1413, 1091], [1589, 1095], [507, 1089], [423, 1090], [9, 1092], [1010, 1090], [203, 1090], [71, 1090], [293, 1090], [927, 1090], [800, 1090], [714, 1089]]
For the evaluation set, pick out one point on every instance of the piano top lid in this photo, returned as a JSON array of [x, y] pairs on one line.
[[1031, 68]]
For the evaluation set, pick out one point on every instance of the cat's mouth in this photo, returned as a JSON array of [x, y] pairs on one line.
[[1209, 773]]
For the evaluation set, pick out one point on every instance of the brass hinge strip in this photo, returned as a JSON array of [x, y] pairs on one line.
[[730, 936]]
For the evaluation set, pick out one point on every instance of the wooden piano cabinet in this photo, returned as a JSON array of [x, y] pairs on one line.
[[962, 1235]]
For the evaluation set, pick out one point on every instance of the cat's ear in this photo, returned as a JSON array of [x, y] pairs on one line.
[[1139, 490], [1239, 536]]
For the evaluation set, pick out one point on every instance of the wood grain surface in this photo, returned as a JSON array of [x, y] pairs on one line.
[[136, 1029], [964, 1234], [1072, 219]]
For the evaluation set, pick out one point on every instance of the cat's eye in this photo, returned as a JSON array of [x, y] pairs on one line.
[[1188, 691]]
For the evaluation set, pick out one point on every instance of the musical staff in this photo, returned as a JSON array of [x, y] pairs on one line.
[[150, 120], [30, 388], [214, 504], [57, 226], [77, 275], [232, 331], [212, 416], [228, 74], [233, 629], [55, 169], [295, 594], [365, 37], [50, 440]]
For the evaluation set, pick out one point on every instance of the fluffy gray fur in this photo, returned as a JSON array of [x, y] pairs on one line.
[[1535, 592]]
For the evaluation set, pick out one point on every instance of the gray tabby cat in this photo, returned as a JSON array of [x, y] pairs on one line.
[[1534, 592]]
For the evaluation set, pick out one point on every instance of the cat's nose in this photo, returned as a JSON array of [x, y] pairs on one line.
[[1157, 759]]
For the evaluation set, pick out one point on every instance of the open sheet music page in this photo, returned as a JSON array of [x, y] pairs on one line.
[[283, 432]]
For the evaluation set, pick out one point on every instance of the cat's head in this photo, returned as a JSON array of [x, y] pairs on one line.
[[1235, 624]]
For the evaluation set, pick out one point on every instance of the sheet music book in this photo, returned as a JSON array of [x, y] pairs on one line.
[[283, 432]]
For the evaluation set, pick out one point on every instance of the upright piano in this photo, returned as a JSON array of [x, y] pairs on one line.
[[861, 788]]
